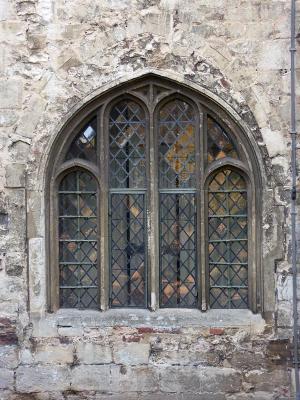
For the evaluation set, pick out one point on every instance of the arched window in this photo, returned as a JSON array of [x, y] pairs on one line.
[[152, 201]]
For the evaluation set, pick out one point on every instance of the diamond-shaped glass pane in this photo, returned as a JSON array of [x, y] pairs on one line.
[[85, 143], [178, 250], [177, 145], [78, 241], [128, 250], [227, 240], [219, 143], [127, 127]]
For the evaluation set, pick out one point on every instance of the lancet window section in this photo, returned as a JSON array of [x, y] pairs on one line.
[[78, 225], [228, 240], [177, 189], [127, 187]]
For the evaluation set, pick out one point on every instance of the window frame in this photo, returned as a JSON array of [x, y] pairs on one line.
[[247, 166]]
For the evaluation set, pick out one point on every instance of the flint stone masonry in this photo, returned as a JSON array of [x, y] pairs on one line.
[[56, 57]]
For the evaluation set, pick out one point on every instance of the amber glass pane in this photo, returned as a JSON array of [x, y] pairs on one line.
[[78, 241], [227, 240], [84, 145], [177, 145], [219, 143]]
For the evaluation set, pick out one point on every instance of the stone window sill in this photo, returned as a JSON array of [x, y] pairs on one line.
[[70, 322]]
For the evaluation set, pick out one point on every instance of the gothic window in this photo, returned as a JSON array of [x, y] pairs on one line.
[[152, 205]]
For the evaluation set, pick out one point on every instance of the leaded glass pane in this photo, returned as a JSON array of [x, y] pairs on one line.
[[128, 250], [78, 241], [127, 126], [85, 144], [178, 250], [228, 244], [177, 145], [219, 143]]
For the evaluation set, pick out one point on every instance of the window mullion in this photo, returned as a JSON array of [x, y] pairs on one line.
[[202, 214], [153, 217], [103, 256]]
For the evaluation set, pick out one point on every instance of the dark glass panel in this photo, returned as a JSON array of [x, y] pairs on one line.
[[127, 126], [81, 298], [128, 250], [227, 244], [219, 143], [178, 250], [177, 145], [78, 241], [85, 144]]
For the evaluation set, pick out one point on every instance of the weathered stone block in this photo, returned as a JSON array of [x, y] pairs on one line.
[[44, 327], [134, 379], [184, 357], [100, 396], [4, 220], [12, 31], [35, 109], [263, 380], [6, 378], [252, 396], [70, 331], [15, 263], [247, 360], [285, 314], [17, 220], [7, 117], [93, 353], [199, 380], [42, 378], [91, 377], [9, 356], [37, 274], [285, 287], [8, 334], [54, 353], [11, 94], [131, 353], [182, 396], [15, 175]]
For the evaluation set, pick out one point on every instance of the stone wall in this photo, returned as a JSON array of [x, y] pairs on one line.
[[56, 55]]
